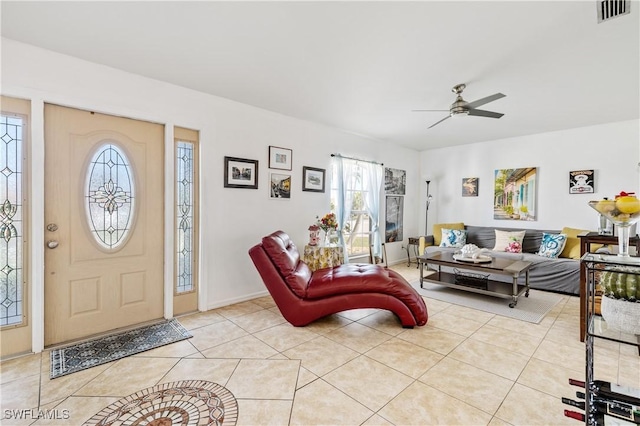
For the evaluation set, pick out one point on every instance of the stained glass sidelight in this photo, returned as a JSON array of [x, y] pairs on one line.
[[184, 217], [11, 220], [110, 196]]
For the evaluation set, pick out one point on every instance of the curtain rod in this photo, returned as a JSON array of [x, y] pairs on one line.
[[356, 159]]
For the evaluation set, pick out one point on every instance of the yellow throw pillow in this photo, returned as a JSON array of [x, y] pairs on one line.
[[572, 247], [437, 230]]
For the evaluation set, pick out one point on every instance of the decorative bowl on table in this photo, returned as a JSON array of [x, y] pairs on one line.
[[623, 211]]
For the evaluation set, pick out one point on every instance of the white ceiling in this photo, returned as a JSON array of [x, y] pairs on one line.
[[363, 66]]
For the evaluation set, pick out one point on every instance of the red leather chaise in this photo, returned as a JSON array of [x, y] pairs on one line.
[[304, 296]]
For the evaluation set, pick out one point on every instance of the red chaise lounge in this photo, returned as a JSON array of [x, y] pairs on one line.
[[304, 296]]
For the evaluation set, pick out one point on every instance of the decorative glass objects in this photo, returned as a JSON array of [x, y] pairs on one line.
[[314, 235], [110, 196], [623, 212]]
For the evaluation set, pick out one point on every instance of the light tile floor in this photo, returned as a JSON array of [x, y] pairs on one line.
[[360, 367]]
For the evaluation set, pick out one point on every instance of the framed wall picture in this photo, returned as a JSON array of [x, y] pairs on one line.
[[470, 187], [280, 186], [515, 194], [313, 179], [280, 158], [240, 173], [395, 181], [393, 219], [582, 182]]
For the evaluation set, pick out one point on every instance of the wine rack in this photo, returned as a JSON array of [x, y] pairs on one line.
[[604, 401]]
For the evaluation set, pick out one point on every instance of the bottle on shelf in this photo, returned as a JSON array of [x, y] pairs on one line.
[[599, 419], [611, 391]]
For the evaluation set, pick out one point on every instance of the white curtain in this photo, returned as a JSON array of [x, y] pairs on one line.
[[373, 175], [349, 172], [344, 199]]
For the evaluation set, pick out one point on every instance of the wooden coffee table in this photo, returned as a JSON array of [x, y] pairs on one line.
[[473, 277]]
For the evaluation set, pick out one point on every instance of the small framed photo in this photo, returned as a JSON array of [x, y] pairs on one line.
[[240, 173], [582, 182], [470, 187], [280, 187], [280, 158], [312, 179]]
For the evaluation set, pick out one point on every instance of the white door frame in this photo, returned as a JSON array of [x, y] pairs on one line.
[[37, 225]]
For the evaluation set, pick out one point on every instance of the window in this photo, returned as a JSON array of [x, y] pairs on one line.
[[357, 230], [355, 198], [12, 215], [186, 215], [110, 196]]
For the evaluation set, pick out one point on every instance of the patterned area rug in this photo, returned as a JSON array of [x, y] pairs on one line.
[[531, 309], [90, 353], [184, 403]]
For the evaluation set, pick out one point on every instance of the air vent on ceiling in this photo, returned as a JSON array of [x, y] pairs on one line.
[[609, 9]]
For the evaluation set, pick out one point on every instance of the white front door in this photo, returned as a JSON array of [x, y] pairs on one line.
[[104, 203]]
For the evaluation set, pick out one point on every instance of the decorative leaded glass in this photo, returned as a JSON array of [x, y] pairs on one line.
[[110, 196], [11, 220], [184, 217]]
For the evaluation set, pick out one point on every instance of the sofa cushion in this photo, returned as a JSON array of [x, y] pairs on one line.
[[552, 244], [453, 237], [282, 251], [509, 241], [572, 247], [437, 230], [349, 278], [286, 258]]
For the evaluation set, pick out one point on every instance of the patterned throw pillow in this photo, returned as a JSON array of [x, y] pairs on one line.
[[552, 245], [509, 241], [453, 238]]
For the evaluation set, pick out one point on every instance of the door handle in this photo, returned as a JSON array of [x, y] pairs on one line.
[[52, 244]]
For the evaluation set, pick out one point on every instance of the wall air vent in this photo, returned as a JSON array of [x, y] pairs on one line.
[[609, 9]]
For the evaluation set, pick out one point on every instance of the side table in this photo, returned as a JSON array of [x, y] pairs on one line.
[[415, 242], [585, 247], [318, 257]]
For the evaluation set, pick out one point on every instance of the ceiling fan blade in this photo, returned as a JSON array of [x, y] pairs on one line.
[[422, 110], [486, 100], [439, 121], [483, 113]]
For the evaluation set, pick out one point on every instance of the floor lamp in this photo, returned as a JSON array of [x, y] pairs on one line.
[[426, 218]]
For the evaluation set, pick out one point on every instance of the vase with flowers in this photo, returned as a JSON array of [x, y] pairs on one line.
[[328, 223]]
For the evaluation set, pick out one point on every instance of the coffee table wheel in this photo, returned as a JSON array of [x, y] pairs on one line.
[[513, 304], [527, 293]]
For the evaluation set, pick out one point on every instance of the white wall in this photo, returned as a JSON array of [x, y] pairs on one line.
[[232, 220], [612, 150]]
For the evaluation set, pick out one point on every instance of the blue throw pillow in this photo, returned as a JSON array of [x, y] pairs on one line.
[[552, 244], [453, 238]]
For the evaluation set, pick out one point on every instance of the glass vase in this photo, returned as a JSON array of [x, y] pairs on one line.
[[327, 237], [623, 220]]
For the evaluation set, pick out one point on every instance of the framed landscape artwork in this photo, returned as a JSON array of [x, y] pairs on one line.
[[470, 187], [240, 173], [313, 179], [280, 158], [514, 194], [395, 181], [582, 182]]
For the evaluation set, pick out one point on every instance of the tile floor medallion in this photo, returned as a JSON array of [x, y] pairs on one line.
[[187, 403]]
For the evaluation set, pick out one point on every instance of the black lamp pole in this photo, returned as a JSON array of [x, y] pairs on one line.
[[426, 219]]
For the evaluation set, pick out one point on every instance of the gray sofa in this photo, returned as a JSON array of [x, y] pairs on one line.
[[559, 275]]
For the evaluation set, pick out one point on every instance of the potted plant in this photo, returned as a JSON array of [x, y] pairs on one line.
[[620, 305]]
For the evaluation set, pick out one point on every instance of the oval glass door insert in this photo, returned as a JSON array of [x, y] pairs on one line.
[[110, 196]]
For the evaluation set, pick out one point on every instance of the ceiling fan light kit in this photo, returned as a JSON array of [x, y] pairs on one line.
[[461, 107]]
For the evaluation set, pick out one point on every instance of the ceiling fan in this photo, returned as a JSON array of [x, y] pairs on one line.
[[462, 107]]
